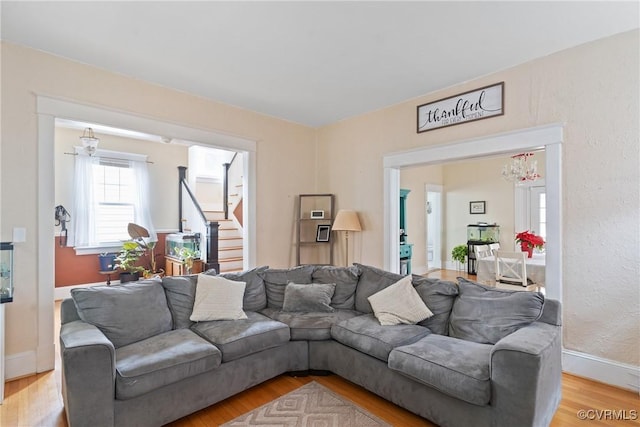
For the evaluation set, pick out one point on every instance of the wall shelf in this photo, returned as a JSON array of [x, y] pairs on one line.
[[313, 235]]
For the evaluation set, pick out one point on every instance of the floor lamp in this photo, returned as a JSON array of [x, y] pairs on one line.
[[347, 221]]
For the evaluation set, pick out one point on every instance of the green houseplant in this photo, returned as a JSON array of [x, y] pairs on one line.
[[127, 259], [187, 256], [459, 254], [140, 235]]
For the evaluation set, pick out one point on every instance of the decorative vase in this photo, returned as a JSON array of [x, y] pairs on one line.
[[525, 247]]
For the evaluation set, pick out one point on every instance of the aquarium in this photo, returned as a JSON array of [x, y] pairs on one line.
[[6, 272], [489, 233], [175, 242]]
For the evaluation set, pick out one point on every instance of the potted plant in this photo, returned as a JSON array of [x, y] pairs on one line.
[[140, 235], [528, 241], [187, 256], [126, 261], [107, 261], [459, 254]]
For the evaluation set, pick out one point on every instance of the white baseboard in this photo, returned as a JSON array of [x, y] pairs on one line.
[[603, 370], [64, 292], [20, 365]]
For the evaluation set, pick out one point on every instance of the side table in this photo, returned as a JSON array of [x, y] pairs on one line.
[[108, 273]]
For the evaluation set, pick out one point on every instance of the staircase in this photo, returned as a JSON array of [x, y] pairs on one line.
[[230, 242]]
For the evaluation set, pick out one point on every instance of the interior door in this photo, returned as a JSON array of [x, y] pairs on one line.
[[433, 212]]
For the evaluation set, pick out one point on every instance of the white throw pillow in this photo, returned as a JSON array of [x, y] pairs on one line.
[[218, 298], [399, 304]]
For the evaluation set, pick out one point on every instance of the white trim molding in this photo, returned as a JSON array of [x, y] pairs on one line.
[[603, 370]]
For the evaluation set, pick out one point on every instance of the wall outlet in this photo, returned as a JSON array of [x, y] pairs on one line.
[[19, 234]]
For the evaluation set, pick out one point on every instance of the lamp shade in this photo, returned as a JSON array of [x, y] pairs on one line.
[[346, 220]]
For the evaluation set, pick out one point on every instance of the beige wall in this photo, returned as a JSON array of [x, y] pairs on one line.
[[163, 173], [593, 90], [285, 160]]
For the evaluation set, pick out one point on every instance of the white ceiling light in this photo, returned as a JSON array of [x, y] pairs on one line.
[[89, 141]]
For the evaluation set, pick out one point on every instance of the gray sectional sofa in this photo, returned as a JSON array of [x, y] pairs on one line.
[[487, 357]]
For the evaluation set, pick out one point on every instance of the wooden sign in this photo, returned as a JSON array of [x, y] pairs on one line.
[[466, 107]]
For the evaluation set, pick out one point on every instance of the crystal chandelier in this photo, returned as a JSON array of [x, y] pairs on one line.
[[89, 141], [521, 168]]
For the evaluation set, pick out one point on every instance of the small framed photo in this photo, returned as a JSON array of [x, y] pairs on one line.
[[323, 233], [317, 214], [477, 207]]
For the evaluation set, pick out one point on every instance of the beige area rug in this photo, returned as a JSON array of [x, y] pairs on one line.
[[312, 405]]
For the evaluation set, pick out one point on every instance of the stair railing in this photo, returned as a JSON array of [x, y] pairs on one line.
[[211, 227]]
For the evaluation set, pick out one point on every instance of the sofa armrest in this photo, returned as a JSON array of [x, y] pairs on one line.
[[526, 375], [88, 375]]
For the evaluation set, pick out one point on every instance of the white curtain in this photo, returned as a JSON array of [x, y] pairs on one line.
[[86, 204], [83, 215], [141, 197]]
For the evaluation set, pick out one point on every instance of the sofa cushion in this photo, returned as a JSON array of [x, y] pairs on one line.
[[162, 359], [364, 333], [310, 326], [371, 280], [399, 304], [181, 292], [255, 295], [453, 366], [125, 313], [218, 299], [485, 315], [239, 338], [346, 280], [276, 280], [314, 297], [439, 296]]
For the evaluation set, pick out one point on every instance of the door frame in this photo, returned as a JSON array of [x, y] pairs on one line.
[[48, 109], [550, 137]]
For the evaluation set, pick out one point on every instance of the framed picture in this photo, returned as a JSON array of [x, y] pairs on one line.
[[478, 207], [323, 233], [317, 214]]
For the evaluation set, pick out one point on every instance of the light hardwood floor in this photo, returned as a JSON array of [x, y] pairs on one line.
[[35, 401]]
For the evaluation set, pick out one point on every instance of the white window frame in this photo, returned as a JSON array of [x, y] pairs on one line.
[[107, 246]]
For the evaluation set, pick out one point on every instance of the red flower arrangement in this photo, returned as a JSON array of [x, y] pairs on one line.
[[528, 241]]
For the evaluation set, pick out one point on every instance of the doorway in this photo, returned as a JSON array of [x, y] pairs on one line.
[[48, 109], [433, 212], [549, 137]]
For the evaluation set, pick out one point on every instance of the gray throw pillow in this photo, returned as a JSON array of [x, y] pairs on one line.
[[255, 295], [276, 280], [181, 292], [346, 280], [125, 313], [372, 280], [439, 296], [315, 297], [486, 315]]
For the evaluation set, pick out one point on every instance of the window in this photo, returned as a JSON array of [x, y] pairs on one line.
[[110, 191], [113, 185]]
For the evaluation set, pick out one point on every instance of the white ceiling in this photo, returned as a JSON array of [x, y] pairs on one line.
[[310, 62]]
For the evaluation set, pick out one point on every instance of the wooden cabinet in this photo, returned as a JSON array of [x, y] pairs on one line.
[[174, 267], [313, 229]]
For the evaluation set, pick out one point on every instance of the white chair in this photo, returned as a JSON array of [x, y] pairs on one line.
[[482, 251], [511, 271], [494, 247]]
